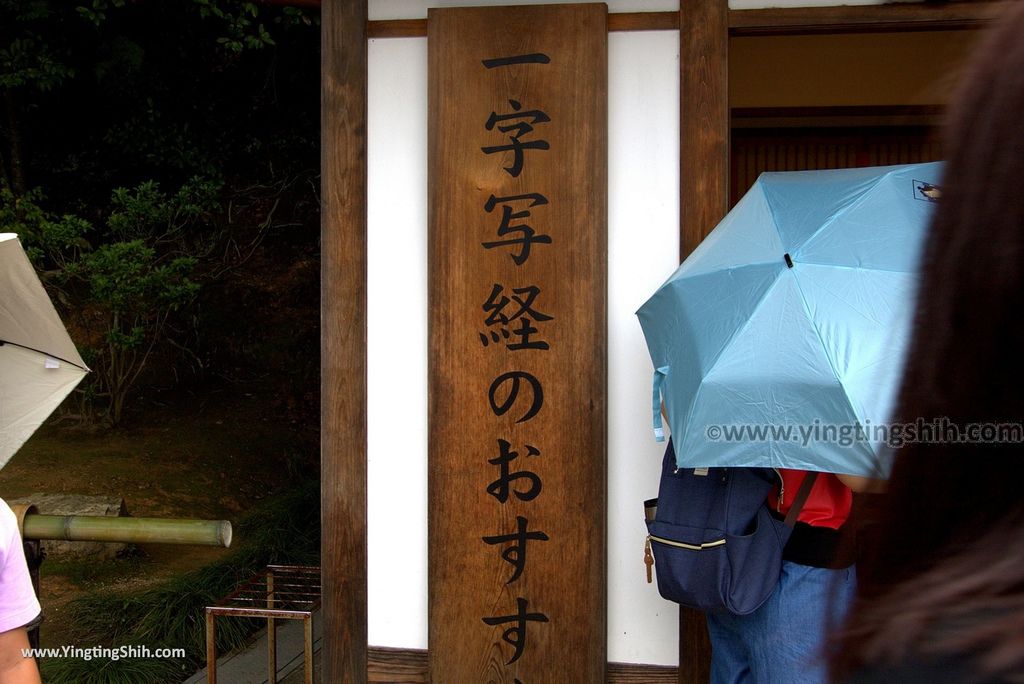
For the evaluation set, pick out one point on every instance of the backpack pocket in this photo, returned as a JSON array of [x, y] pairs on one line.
[[690, 563], [755, 563], [713, 571]]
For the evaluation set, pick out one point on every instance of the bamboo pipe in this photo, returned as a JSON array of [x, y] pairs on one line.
[[127, 530]]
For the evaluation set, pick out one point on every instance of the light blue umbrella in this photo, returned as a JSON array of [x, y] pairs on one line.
[[785, 329]]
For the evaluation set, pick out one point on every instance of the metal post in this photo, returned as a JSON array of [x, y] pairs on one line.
[[307, 629], [271, 633], [211, 648]]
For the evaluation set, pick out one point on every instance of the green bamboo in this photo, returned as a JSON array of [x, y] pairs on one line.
[[128, 530]]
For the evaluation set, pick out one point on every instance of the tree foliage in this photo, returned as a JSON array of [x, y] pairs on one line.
[[150, 154]]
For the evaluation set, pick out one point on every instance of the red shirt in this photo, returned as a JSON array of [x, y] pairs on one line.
[[828, 504]]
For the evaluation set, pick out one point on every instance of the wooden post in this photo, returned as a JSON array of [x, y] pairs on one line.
[[704, 119], [703, 200], [343, 339]]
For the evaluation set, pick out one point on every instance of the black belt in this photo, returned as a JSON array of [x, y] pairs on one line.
[[819, 547]]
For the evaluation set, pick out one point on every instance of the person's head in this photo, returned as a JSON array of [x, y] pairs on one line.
[[951, 542]]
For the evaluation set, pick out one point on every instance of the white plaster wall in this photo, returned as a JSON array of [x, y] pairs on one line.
[[643, 250], [397, 343]]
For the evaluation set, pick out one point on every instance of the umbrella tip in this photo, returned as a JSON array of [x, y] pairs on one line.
[[789, 260]]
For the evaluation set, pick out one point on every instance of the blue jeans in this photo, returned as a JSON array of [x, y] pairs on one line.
[[783, 641]]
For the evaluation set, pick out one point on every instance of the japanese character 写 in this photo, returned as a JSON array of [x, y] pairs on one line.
[[527, 235]]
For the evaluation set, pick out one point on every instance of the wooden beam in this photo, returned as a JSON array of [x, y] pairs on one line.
[[890, 17], [703, 201], [410, 666], [397, 28], [817, 112], [343, 340], [622, 21], [643, 21]]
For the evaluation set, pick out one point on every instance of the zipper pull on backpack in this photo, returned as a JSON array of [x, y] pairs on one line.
[[648, 560]]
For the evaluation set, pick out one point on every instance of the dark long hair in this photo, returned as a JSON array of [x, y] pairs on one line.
[[945, 576]]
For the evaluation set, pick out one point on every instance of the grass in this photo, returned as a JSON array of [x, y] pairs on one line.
[[108, 671], [227, 454], [87, 572], [286, 530]]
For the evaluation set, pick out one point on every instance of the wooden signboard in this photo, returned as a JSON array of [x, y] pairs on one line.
[[517, 258]]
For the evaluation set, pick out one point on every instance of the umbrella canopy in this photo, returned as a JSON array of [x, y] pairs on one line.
[[39, 364], [786, 328]]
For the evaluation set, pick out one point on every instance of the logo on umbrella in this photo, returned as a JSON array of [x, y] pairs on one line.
[[927, 191]]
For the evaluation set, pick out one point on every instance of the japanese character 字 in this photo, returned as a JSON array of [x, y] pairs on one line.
[[523, 124]]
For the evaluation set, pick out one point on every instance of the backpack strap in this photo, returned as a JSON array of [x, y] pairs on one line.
[[801, 497]]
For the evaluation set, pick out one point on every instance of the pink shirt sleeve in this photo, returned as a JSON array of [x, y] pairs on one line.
[[18, 603]]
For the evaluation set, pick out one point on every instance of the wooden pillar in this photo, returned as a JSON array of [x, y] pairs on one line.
[[343, 339], [704, 119], [703, 200]]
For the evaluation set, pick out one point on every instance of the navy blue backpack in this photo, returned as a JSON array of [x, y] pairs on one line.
[[716, 545]]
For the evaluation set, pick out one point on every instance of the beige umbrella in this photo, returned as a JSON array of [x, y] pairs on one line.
[[39, 364]]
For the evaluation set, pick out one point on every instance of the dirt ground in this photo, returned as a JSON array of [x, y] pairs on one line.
[[210, 457]]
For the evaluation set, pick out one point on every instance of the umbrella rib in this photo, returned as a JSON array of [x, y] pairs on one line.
[[40, 351], [860, 268]]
